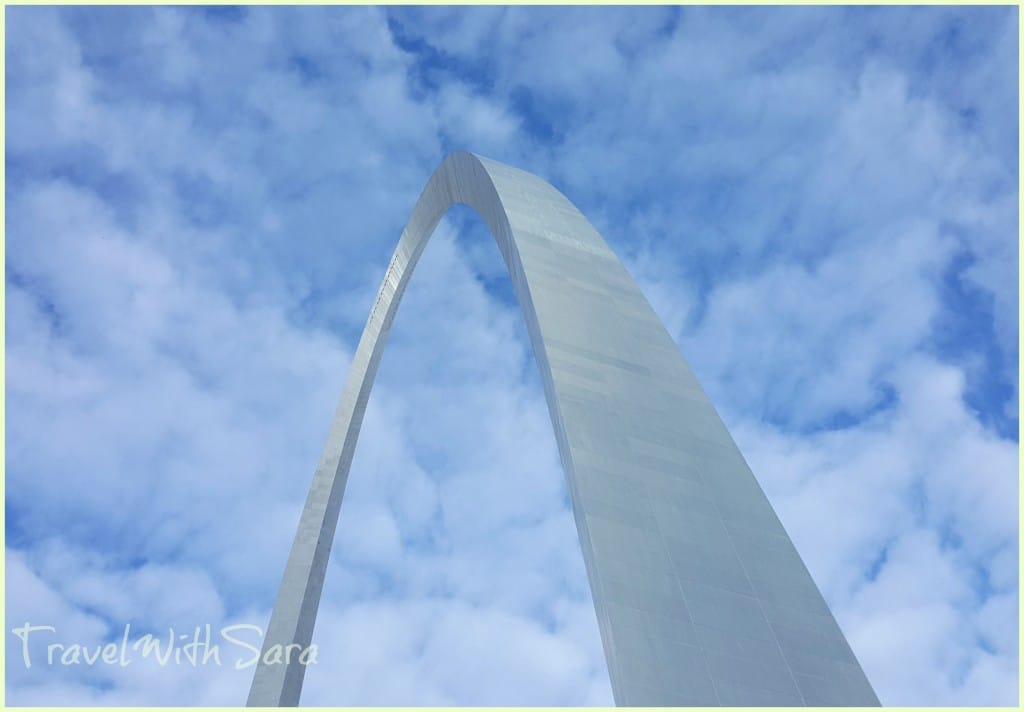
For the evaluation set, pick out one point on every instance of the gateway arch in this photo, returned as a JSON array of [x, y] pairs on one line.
[[701, 597]]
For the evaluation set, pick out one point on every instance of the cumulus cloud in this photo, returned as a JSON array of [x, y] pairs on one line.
[[821, 203]]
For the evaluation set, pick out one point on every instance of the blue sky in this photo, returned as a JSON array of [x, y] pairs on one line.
[[820, 203]]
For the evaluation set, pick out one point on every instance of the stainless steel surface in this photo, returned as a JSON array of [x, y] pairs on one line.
[[701, 597]]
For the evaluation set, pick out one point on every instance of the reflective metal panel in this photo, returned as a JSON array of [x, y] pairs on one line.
[[701, 597]]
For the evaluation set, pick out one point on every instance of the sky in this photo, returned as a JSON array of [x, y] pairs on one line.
[[821, 204]]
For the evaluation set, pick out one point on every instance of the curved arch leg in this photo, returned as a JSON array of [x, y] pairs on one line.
[[701, 597]]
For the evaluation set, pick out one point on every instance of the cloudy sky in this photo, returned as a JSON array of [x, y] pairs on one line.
[[820, 203]]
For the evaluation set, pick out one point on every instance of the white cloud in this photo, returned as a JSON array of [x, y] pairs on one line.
[[937, 493], [480, 123], [438, 652]]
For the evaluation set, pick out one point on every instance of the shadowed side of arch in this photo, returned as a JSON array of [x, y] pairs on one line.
[[701, 597]]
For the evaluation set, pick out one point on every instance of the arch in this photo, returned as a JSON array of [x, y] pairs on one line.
[[701, 597]]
